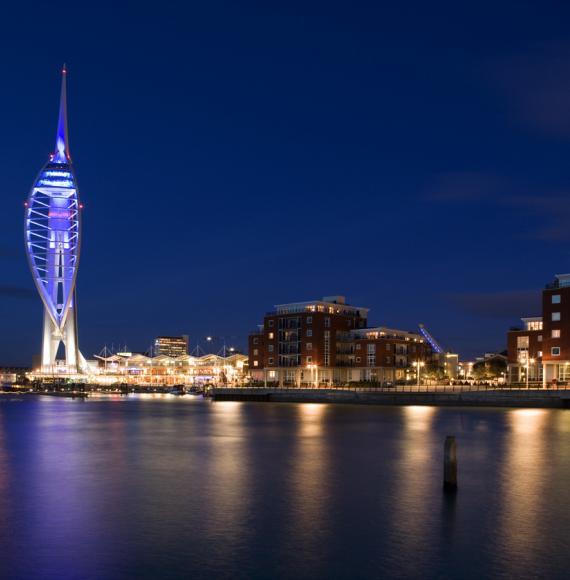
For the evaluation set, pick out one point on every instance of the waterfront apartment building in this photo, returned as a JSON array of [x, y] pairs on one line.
[[328, 342], [541, 349], [171, 345]]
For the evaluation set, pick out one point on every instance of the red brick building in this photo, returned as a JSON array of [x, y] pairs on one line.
[[328, 342], [542, 347]]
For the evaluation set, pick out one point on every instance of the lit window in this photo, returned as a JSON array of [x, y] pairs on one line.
[[270, 336], [522, 342], [309, 346], [539, 354], [309, 320], [255, 363], [555, 316], [555, 351], [556, 299], [272, 374], [309, 332], [556, 333]]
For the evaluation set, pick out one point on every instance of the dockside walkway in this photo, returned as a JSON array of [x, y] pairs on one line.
[[438, 395]]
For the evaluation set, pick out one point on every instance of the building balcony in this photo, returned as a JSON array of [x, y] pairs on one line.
[[291, 350]]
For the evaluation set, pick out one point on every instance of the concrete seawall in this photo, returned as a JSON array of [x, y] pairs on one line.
[[486, 398]]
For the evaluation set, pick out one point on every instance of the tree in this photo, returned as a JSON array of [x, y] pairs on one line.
[[491, 368]]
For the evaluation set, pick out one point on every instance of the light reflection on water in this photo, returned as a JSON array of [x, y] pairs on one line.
[[174, 487]]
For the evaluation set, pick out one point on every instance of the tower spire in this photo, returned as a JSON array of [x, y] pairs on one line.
[[61, 154]]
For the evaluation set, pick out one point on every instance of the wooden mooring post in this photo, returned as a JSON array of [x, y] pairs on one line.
[[450, 464]]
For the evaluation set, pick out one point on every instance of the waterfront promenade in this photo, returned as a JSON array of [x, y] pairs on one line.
[[439, 395], [436, 395]]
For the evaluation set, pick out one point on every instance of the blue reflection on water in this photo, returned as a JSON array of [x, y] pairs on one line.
[[150, 487]]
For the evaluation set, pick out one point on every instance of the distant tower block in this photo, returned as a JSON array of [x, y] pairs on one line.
[[53, 234]]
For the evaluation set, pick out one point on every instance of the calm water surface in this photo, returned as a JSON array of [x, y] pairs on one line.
[[166, 487]]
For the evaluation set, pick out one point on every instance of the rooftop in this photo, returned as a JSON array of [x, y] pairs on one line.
[[562, 281], [384, 332], [329, 304]]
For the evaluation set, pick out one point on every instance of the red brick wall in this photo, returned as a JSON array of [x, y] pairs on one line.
[[564, 325]]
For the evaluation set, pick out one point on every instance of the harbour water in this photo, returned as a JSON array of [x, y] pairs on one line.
[[173, 487]]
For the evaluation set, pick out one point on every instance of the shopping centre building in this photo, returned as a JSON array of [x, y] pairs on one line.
[[139, 369]]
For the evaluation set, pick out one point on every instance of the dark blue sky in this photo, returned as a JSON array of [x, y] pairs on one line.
[[231, 156]]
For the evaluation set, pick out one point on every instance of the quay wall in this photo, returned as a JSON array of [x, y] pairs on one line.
[[485, 398]]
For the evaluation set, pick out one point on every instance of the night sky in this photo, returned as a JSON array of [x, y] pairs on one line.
[[232, 156]]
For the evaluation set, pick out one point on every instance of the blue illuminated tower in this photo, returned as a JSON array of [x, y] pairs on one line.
[[53, 235]]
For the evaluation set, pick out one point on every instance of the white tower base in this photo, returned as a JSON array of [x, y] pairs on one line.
[[53, 336]]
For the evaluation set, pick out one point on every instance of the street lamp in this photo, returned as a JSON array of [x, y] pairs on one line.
[[529, 361], [418, 364]]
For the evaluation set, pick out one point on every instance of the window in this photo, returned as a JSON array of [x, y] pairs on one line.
[[270, 336], [270, 323], [555, 351], [388, 360], [256, 341], [556, 299], [555, 316], [539, 338], [388, 346], [522, 342], [309, 320], [309, 332], [309, 346], [556, 333], [255, 351], [371, 348], [309, 359], [539, 354], [357, 359], [270, 348], [255, 363], [270, 360], [327, 322], [358, 346], [272, 374]]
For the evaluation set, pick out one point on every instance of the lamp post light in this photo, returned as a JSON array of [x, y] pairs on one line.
[[529, 361], [418, 364]]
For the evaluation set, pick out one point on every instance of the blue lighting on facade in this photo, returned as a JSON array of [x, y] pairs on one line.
[[52, 234]]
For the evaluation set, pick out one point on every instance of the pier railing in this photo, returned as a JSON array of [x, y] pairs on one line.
[[406, 388]]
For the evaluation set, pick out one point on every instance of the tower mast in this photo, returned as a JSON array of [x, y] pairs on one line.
[[61, 154]]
